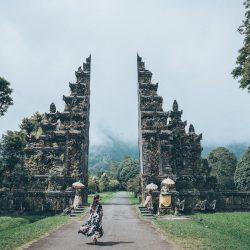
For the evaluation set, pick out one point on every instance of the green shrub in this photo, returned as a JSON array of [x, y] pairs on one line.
[[223, 164], [242, 173]]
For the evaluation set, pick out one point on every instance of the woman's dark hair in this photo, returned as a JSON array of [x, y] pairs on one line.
[[95, 202], [96, 197]]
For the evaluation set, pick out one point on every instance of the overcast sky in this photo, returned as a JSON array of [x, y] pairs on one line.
[[190, 47]]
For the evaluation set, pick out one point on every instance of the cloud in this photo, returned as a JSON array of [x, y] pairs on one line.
[[190, 47]]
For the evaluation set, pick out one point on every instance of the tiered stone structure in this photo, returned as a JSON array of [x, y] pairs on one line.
[[59, 155], [166, 149]]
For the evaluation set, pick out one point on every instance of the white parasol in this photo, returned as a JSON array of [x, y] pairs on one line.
[[78, 185], [151, 187], [168, 182]]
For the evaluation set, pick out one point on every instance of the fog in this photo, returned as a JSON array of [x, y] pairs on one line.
[[190, 47]]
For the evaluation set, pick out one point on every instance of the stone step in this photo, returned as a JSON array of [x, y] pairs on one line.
[[146, 212], [77, 212], [79, 209], [148, 215], [143, 209]]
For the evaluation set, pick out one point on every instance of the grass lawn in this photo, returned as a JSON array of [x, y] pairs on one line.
[[209, 231], [105, 197], [132, 199], [18, 230]]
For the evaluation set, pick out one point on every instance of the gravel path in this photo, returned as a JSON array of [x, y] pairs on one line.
[[122, 230]]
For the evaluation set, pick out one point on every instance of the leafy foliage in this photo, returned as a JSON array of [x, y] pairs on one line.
[[237, 148], [12, 159], [104, 182], [133, 185], [93, 185], [223, 163], [242, 69], [32, 125], [5, 96], [242, 173], [12, 171], [124, 170], [119, 175]]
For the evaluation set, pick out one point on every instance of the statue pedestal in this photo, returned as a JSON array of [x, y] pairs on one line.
[[167, 201]]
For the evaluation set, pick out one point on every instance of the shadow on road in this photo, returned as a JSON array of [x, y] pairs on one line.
[[119, 204], [111, 243]]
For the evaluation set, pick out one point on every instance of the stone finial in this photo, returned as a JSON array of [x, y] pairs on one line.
[[191, 129], [175, 106], [140, 63], [86, 65], [52, 108], [88, 59]]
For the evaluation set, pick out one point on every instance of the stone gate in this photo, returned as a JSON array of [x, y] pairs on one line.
[[166, 149], [59, 156]]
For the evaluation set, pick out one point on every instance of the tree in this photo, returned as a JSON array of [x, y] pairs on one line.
[[5, 98], [93, 185], [133, 185], [12, 171], [242, 69], [104, 183], [114, 185], [33, 124], [128, 168], [117, 175], [223, 164], [124, 170], [242, 173]]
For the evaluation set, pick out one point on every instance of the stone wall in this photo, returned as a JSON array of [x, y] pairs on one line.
[[35, 201], [233, 201]]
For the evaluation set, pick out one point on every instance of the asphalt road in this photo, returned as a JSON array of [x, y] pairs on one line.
[[123, 229]]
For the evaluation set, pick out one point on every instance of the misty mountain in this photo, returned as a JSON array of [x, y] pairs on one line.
[[101, 156], [237, 148], [114, 149]]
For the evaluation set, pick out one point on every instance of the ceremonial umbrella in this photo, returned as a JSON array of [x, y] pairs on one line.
[[78, 185], [151, 187], [168, 182]]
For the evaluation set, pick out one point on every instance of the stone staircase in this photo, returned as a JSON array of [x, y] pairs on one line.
[[145, 212], [77, 211]]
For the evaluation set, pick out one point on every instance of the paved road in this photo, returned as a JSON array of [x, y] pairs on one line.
[[122, 230]]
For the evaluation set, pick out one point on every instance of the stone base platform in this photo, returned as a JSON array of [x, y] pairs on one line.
[[35, 201]]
